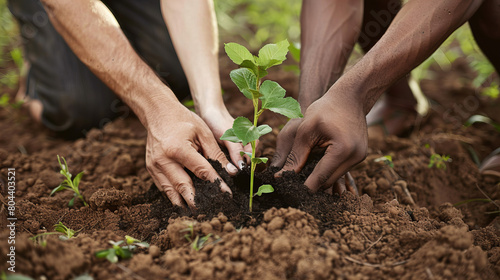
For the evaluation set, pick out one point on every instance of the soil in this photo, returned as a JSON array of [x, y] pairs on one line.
[[385, 233]]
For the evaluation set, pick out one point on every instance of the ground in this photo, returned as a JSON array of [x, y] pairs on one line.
[[291, 234]]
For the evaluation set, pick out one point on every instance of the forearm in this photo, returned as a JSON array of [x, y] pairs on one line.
[[329, 31], [95, 37], [416, 32], [193, 28]]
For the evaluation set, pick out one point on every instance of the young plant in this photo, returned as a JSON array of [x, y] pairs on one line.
[[196, 242], [439, 161], [60, 228], [69, 184], [387, 160], [123, 252], [266, 95]]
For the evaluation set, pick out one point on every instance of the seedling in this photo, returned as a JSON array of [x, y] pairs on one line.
[[68, 233], [387, 160], [60, 228], [439, 161], [248, 79], [197, 242], [123, 252], [69, 184]]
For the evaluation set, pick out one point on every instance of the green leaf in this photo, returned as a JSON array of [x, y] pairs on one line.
[[124, 253], [58, 189], [264, 129], [260, 72], [142, 244], [273, 54], [130, 240], [238, 53], [264, 189], [245, 80], [246, 153], [77, 179], [111, 256], [288, 107], [258, 160], [71, 202], [244, 130], [271, 90], [17, 277], [230, 136], [481, 119]]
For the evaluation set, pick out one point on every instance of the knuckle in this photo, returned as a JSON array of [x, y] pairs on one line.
[[202, 173], [291, 159]]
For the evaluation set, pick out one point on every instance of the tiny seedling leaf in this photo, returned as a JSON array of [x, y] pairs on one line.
[[481, 119], [258, 160], [111, 256], [264, 189], [238, 53], [77, 179], [71, 202], [102, 253], [273, 54], [130, 240], [245, 131], [245, 153], [57, 189], [230, 136], [245, 80]]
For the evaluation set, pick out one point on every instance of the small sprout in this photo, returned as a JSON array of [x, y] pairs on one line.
[[264, 189], [68, 233], [69, 184], [121, 251], [439, 161], [265, 95], [387, 160], [196, 242], [481, 119]]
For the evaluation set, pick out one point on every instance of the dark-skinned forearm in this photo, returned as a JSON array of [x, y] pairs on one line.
[[416, 32], [95, 37], [329, 31]]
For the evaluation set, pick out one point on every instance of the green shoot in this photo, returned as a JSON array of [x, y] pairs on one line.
[[69, 184], [68, 233], [196, 242], [439, 161], [121, 251], [387, 160], [266, 95], [481, 119]]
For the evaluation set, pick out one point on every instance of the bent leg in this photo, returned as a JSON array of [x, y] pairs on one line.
[[72, 99]]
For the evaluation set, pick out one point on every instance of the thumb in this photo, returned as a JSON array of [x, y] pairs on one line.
[[297, 157]]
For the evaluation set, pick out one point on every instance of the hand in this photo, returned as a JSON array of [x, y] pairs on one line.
[[178, 139], [335, 122], [219, 120]]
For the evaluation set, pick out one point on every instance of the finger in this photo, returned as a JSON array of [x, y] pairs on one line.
[[176, 183], [297, 157], [166, 187], [195, 162], [211, 150], [235, 150], [283, 148], [328, 168], [350, 184]]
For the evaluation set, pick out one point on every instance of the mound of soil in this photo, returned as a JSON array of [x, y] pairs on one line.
[[402, 226]]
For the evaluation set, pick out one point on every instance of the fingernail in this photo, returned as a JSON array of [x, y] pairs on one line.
[[225, 188], [231, 168], [242, 164]]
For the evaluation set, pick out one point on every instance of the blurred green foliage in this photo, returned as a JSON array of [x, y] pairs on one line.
[[9, 49], [257, 22]]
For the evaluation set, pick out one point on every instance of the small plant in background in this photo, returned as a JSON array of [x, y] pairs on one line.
[[267, 95], [387, 160], [69, 184], [68, 233], [439, 161], [123, 251], [196, 242], [60, 228]]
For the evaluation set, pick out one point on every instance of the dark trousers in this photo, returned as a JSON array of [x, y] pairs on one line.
[[73, 98]]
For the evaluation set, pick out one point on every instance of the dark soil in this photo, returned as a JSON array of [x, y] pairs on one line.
[[291, 234]]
